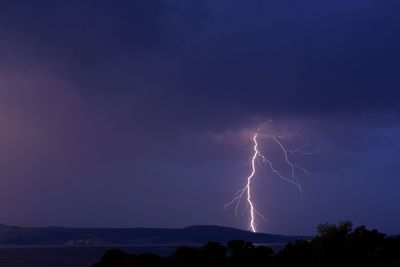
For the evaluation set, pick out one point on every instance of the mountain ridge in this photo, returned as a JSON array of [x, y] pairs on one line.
[[195, 234]]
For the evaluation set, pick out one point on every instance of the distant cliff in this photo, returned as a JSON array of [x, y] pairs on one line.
[[59, 236]]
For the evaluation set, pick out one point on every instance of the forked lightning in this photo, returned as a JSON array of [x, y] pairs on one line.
[[247, 189]]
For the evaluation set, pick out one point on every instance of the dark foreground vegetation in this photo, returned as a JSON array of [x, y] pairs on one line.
[[334, 245]]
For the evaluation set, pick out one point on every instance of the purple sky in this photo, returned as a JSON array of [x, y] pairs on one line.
[[140, 113]]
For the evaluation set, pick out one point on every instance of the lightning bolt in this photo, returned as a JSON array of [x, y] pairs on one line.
[[248, 185], [247, 189]]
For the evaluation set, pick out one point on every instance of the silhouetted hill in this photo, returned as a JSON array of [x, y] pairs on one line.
[[60, 236]]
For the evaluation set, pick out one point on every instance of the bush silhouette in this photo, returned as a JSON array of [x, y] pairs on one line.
[[184, 256], [116, 258], [212, 254]]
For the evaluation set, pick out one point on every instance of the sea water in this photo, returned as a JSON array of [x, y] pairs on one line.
[[67, 256], [76, 256]]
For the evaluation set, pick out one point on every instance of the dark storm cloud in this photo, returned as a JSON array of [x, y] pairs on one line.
[[267, 57], [89, 89], [253, 59]]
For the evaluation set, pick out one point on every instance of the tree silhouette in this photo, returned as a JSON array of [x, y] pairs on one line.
[[334, 245]]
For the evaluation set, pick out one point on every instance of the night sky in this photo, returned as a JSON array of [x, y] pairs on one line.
[[141, 113]]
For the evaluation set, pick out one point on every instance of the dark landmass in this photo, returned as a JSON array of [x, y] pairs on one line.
[[333, 246], [59, 236]]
